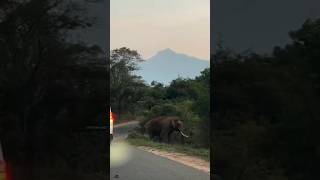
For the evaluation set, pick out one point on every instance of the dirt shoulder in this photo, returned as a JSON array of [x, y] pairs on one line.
[[187, 160], [201, 153], [198, 158]]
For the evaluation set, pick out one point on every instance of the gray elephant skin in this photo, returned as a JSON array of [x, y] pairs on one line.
[[160, 128]]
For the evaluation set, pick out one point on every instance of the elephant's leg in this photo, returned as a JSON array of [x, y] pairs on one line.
[[155, 138], [164, 136], [151, 136], [169, 136], [158, 138], [182, 139]]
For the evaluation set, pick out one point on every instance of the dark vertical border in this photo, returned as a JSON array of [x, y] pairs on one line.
[[107, 2], [211, 89]]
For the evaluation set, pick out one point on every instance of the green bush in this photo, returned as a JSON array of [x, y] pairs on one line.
[[194, 126], [166, 109], [191, 121], [136, 135]]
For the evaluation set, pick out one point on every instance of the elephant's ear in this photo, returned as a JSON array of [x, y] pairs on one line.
[[174, 123]]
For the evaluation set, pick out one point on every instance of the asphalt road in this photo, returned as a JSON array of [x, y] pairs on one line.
[[147, 166]]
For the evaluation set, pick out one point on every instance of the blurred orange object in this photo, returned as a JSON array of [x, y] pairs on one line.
[[8, 171], [5, 167]]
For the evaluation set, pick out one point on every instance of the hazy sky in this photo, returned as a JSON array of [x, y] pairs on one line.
[[149, 26], [183, 25], [259, 25]]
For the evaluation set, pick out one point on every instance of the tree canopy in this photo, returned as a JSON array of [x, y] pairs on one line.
[[50, 89], [265, 110]]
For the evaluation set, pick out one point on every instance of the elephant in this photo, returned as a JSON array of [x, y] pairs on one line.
[[162, 127]]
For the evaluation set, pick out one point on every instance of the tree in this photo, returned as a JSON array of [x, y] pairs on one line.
[[124, 84], [266, 110], [40, 82]]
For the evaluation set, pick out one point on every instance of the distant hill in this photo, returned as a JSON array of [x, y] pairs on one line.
[[168, 65]]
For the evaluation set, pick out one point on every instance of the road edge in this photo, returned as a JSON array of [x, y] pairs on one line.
[[181, 158], [125, 124]]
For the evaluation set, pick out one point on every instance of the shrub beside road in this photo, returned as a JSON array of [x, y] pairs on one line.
[[137, 139]]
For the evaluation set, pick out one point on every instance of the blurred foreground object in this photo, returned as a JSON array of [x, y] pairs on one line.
[[5, 170], [120, 154]]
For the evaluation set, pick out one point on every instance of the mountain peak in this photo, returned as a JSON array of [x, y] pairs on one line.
[[167, 51], [168, 65]]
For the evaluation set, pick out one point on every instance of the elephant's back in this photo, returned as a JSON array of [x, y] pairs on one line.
[[161, 119], [154, 123], [160, 122]]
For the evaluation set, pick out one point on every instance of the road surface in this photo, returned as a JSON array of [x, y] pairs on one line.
[[147, 166]]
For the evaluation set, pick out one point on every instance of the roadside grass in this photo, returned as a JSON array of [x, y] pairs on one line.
[[137, 139]]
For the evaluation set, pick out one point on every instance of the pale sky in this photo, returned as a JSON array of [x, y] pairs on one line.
[[149, 26], [259, 25]]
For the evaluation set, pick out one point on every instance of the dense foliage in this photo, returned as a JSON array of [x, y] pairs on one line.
[[125, 87], [50, 89], [266, 110], [186, 98]]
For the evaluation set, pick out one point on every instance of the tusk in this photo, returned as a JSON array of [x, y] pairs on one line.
[[183, 134]]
